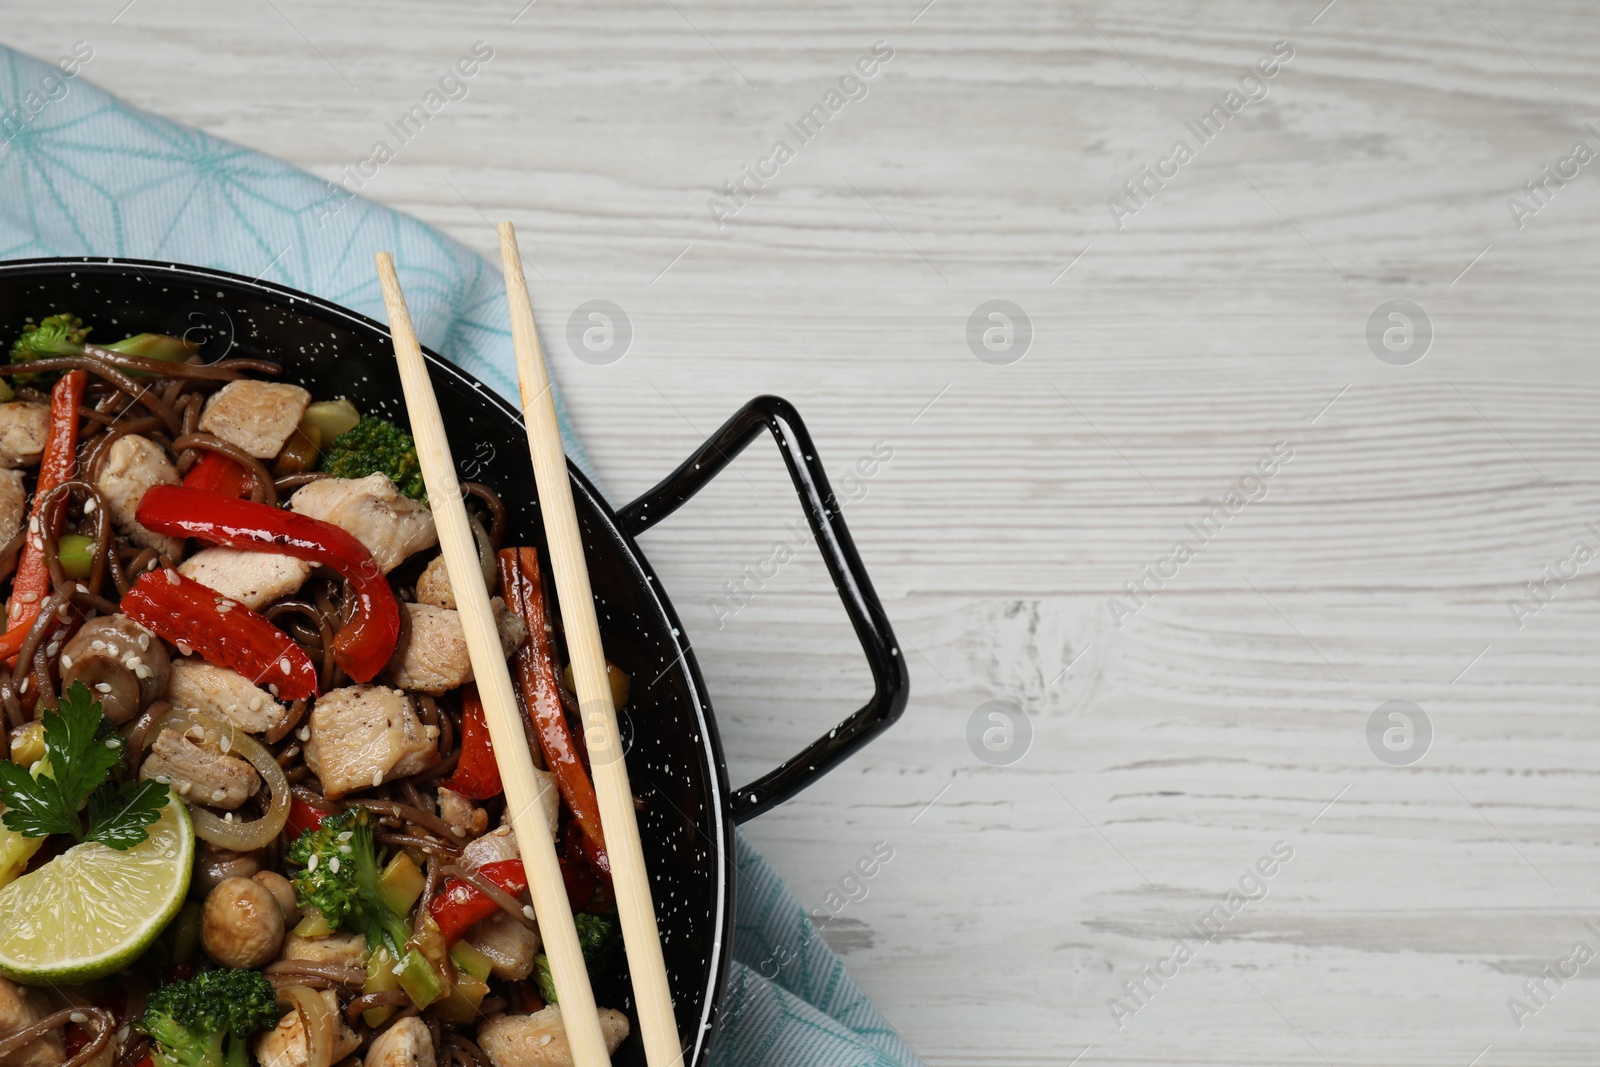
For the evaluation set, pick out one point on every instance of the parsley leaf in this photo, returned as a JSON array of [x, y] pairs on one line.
[[81, 750], [79, 744], [34, 806], [119, 814]]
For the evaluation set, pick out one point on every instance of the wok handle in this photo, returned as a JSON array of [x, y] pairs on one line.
[[891, 685]]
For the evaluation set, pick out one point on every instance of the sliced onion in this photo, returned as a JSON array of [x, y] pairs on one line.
[[226, 833], [486, 561], [318, 1021]]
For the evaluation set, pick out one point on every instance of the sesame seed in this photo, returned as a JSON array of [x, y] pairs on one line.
[[102, 687], [345, 835], [184, 787], [66, 662], [112, 742], [377, 778], [311, 864], [23, 688], [227, 743], [219, 794], [333, 865], [144, 642], [89, 506], [283, 664], [304, 733], [172, 576], [78, 1017], [184, 648]]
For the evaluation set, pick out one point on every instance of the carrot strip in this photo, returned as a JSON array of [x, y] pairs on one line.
[[59, 463], [541, 697]]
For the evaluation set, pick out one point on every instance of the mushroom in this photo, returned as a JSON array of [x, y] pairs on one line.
[[282, 891], [241, 924], [120, 661], [214, 865]]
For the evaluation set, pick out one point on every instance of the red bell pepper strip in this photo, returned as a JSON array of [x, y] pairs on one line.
[[541, 699], [476, 776], [59, 463], [218, 473], [460, 904], [365, 644], [223, 631], [303, 816]]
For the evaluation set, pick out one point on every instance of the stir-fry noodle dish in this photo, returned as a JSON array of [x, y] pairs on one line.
[[249, 808]]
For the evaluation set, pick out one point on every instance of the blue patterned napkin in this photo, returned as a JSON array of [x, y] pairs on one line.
[[84, 174]]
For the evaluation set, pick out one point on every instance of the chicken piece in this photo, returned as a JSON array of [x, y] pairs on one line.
[[391, 525], [133, 465], [434, 585], [339, 950], [13, 504], [432, 656], [501, 844], [286, 1045], [255, 416], [254, 579], [513, 631], [121, 661], [364, 735], [200, 772], [490, 848], [405, 1044], [23, 429], [464, 817], [540, 1039], [19, 1007], [509, 945], [223, 694]]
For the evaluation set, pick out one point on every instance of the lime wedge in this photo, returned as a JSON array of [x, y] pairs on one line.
[[93, 910]]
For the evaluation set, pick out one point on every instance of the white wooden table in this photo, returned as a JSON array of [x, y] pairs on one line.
[[1227, 314]]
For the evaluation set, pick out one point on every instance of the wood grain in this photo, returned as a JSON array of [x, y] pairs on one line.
[[1222, 318]]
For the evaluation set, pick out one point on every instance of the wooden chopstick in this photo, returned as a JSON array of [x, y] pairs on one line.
[[522, 788], [651, 994]]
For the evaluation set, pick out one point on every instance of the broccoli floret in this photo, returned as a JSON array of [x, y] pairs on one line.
[[541, 978], [376, 445], [597, 936], [339, 870], [204, 1021], [50, 338], [64, 334]]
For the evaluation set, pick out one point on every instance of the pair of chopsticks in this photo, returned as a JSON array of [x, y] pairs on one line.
[[641, 938]]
